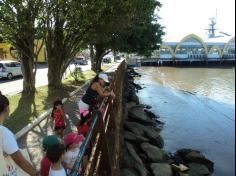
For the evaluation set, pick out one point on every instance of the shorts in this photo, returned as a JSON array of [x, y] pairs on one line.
[[57, 128], [83, 108]]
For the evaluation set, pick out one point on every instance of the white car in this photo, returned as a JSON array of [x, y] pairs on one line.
[[9, 69]]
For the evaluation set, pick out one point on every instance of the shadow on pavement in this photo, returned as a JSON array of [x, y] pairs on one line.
[[26, 108], [33, 139]]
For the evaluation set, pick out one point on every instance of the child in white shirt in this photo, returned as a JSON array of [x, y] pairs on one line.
[[56, 155], [72, 141]]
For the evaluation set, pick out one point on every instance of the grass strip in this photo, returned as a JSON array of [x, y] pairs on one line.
[[25, 109]]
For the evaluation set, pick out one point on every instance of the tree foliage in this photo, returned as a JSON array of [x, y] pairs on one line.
[[69, 26], [68, 29], [20, 24], [135, 30]]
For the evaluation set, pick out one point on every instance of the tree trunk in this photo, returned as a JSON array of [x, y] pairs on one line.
[[97, 59], [92, 56], [54, 73], [26, 54], [58, 53], [28, 76]]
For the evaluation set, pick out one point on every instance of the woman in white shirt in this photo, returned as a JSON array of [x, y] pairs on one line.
[[9, 144]]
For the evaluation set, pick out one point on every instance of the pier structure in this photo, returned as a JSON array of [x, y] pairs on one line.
[[191, 50]]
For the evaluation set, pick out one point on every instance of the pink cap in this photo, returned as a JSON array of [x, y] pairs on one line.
[[73, 138]]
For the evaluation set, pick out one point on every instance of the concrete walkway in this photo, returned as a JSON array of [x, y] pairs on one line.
[[33, 139]]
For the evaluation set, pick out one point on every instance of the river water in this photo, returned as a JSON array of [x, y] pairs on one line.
[[198, 108]]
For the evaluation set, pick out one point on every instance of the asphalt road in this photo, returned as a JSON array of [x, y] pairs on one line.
[[11, 87]]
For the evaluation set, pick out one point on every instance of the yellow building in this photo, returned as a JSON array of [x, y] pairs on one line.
[[7, 52]]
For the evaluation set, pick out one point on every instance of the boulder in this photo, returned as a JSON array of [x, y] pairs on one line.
[[138, 114], [151, 114], [161, 169], [152, 133], [134, 127], [127, 172], [134, 98], [159, 142], [154, 153], [183, 152], [133, 153], [194, 156], [128, 161], [134, 138], [138, 164], [137, 86], [141, 130], [200, 159], [130, 105], [144, 106], [198, 170]]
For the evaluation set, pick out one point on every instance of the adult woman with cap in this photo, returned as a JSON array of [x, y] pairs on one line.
[[96, 88], [8, 143]]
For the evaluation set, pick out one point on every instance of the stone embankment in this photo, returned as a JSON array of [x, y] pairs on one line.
[[143, 153]]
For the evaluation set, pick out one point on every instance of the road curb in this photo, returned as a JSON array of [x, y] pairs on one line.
[[38, 120]]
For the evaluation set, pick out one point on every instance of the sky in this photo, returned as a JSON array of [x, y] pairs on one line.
[[183, 17]]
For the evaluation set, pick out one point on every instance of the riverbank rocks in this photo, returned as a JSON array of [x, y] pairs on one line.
[[154, 153], [134, 138], [138, 163], [194, 156], [161, 169], [138, 114], [198, 170], [126, 172], [143, 153]]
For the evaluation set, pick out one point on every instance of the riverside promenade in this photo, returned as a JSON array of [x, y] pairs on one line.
[[32, 140]]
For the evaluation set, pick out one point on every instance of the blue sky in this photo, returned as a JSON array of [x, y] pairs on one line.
[[182, 17]]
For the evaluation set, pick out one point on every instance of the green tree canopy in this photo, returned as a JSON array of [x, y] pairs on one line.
[[135, 30], [21, 22]]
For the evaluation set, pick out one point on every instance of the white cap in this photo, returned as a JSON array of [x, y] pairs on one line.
[[104, 77]]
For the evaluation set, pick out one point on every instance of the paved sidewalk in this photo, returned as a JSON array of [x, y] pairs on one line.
[[33, 139]]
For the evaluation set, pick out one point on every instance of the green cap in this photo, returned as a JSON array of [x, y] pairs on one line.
[[49, 141]]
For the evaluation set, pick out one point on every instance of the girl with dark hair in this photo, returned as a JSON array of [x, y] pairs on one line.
[[58, 115], [8, 144]]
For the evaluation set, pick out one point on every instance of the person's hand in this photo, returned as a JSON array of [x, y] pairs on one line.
[[113, 95]]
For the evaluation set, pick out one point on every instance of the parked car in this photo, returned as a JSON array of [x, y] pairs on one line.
[[107, 60], [81, 61], [9, 69]]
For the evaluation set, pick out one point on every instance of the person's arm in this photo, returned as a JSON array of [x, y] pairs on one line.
[[63, 115], [101, 91], [11, 148], [23, 163]]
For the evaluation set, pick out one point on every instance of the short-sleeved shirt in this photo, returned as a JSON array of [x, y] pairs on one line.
[[83, 129], [57, 116], [9, 144], [70, 157], [60, 172], [45, 166]]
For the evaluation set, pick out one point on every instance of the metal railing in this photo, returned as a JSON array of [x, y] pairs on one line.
[[104, 134]]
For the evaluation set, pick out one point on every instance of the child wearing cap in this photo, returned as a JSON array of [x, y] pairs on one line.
[[72, 141], [56, 154], [45, 163]]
